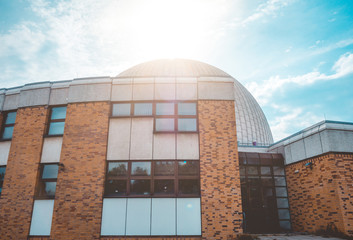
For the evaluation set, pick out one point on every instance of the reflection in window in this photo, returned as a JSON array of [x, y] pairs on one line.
[[9, 124], [115, 187], [47, 181], [164, 168], [140, 187], [189, 186], [121, 109], [188, 168], [164, 186], [2, 175], [141, 169], [165, 124], [117, 169], [187, 125]]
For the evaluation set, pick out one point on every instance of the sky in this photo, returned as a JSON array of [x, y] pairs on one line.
[[294, 56]]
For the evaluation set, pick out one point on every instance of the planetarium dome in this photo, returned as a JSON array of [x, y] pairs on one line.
[[252, 125]]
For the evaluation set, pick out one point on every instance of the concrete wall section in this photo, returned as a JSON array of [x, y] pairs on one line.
[[59, 93], [12, 99], [141, 138], [187, 146], [4, 152], [89, 92], [51, 149], [34, 97], [119, 139], [215, 91], [164, 146]]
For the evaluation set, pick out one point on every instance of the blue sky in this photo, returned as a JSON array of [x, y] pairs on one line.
[[295, 57]]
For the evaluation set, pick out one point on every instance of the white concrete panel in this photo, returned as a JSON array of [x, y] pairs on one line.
[[313, 145], [89, 92], [2, 100], [11, 102], [298, 150], [288, 154], [143, 92], [119, 139], [216, 79], [59, 96], [164, 146], [34, 97], [143, 80], [325, 141], [187, 146], [141, 138], [186, 80], [122, 92], [164, 80], [51, 149], [42, 217], [215, 91], [4, 152], [340, 141], [186, 91], [165, 91]]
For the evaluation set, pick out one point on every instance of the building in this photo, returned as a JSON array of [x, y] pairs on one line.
[[168, 149]]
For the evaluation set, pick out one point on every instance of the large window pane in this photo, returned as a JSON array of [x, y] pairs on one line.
[[165, 109], [113, 216], [56, 128], [266, 181], [187, 124], [11, 118], [47, 189], [50, 171], [141, 169], [2, 173], [278, 170], [121, 109], [140, 187], [58, 113], [282, 203], [138, 220], [163, 216], [8, 131], [115, 188], [283, 213], [143, 109], [163, 186], [42, 217], [189, 186], [165, 124], [165, 168], [265, 170], [281, 192], [188, 168], [188, 216], [116, 169], [252, 170], [280, 181], [186, 108], [285, 225]]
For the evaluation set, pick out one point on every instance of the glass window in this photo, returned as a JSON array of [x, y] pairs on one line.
[[121, 109], [282, 203], [266, 181], [186, 108], [140, 187], [165, 109], [285, 225], [265, 170], [143, 109], [189, 186], [42, 217], [138, 220], [280, 181], [187, 124], [163, 216], [283, 213], [9, 123], [188, 216], [252, 170], [163, 186], [2, 175], [115, 187], [141, 168], [47, 181], [58, 113], [278, 170], [281, 192], [187, 168], [57, 121], [117, 169], [165, 125], [165, 168]]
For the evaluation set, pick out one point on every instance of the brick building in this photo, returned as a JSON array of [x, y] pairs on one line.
[[169, 149]]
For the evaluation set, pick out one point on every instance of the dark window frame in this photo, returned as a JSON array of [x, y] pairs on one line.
[[4, 125], [41, 181], [152, 177], [55, 120]]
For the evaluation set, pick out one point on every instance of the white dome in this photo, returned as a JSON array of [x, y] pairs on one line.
[[252, 125]]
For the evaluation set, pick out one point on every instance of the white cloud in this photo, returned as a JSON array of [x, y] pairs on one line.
[[264, 91], [270, 8]]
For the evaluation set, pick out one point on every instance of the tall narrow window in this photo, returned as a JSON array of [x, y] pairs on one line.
[[2, 175], [47, 181], [57, 121], [9, 124]]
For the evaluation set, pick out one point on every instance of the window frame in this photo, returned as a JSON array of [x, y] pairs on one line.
[[152, 177], [55, 120], [40, 180], [4, 125]]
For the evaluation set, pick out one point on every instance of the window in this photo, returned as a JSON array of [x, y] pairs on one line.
[[168, 116], [2, 175], [57, 121], [152, 178], [9, 124], [47, 181]]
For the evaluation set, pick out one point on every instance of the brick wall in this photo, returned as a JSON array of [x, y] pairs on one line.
[[79, 194], [220, 178], [322, 195], [16, 200]]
